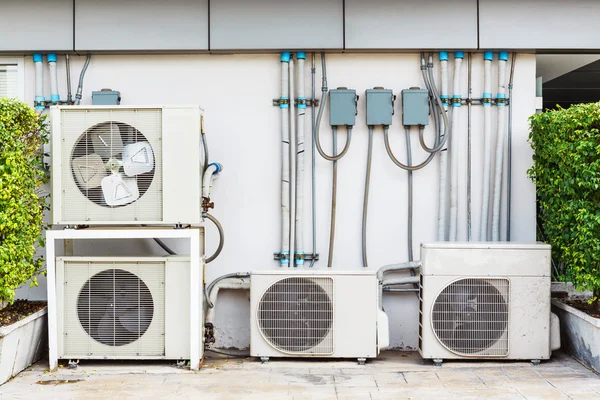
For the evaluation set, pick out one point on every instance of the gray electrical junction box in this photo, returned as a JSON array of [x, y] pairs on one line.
[[380, 107], [342, 107], [415, 107]]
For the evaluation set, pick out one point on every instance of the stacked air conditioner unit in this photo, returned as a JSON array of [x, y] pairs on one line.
[[125, 166], [335, 314], [485, 301]]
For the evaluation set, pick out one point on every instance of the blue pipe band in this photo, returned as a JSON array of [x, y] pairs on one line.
[[40, 98], [488, 55], [443, 56], [285, 260], [300, 261], [456, 100], [303, 105], [51, 57], [444, 96], [285, 56], [487, 95], [37, 57], [459, 54], [55, 98], [501, 95], [503, 55], [218, 166], [301, 55], [281, 105]]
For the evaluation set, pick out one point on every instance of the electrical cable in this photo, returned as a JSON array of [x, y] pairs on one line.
[[211, 285], [221, 237], [366, 198]]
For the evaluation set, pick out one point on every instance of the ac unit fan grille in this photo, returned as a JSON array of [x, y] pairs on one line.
[[115, 307], [295, 315], [470, 316]]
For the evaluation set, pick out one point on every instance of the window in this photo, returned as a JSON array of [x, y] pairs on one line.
[[12, 77]]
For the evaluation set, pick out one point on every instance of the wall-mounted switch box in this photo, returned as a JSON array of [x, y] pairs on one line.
[[106, 97], [342, 107], [415, 107], [380, 106]]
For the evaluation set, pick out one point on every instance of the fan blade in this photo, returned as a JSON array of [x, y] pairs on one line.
[[106, 139], [89, 171], [136, 320], [119, 191], [138, 158], [106, 329]]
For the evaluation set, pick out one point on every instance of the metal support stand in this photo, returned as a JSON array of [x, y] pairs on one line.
[[264, 360], [437, 362], [361, 360]]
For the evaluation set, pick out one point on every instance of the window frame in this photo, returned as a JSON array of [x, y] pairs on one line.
[[20, 63]]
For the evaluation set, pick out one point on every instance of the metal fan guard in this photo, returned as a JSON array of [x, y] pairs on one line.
[[470, 316], [103, 293], [295, 315], [83, 147]]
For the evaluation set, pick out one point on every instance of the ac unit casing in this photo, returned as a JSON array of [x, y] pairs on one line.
[[519, 273], [168, 334], [352, 324], [174, 193]]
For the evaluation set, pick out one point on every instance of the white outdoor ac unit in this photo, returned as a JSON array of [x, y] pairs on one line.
[[123, 165], [485, 300], [123, 307], [316, 314]]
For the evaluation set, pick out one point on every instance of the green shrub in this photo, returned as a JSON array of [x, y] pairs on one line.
[[566, 170], [22, 174]]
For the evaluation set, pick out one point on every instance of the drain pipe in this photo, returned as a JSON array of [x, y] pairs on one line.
[[442, 219], [486, 99], [292, 136], [397, 267], [454, 156], [284, 100], [469, 149], [68, 67], [54, 96], [509, 145], [231, 283], [299, 248], [78, 95], [207, 180], [313, 192], [500, 146], [40, 100]]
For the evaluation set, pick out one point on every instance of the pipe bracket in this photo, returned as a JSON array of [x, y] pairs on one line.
[[306, 102]]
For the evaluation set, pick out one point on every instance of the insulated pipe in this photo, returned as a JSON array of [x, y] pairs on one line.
[[500, 146], [469, 150], [292, 162], [285, 160], [454, 149], [207, 179], [401, 281], [219, 279], [488, 56], [68, 67], [39, 81], [228, 283], [78, 95], [443, 189], [299, 248], [397, 267], [509, 145], [54, 96], [313, 160]]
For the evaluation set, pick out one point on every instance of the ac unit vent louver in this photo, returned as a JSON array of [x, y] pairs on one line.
[[470, 316], [295, 315]]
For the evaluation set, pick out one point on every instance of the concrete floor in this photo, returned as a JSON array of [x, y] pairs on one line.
[[395, 375]]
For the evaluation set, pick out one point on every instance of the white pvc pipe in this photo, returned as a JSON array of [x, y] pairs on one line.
[[54, 96], [454, 153], [230, 283], [500, 147], [207, 179], [292, 161], [443, 190], [39, 78], [487, 145], [285, 159], [299, 248]]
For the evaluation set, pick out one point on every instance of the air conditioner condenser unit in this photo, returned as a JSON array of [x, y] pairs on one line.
[[326, 314], [123, 307], [123, 165], [485, 301]]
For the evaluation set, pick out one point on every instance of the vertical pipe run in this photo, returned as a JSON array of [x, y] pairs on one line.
[[500, 146], [299, 248], [509, 145], [488, 56], [454, 148], [292, 155], [469, 149], [443, 190], [54, 96], [68, 67], [333, 199], [366, 198], [313, 114], [39, 81], [410, 193], [285, 161]]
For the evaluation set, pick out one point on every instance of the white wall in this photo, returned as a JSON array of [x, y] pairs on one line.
[[243, 133]]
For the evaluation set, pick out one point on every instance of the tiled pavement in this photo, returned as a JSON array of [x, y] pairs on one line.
[[395, 375]]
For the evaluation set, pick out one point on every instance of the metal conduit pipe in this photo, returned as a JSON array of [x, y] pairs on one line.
[[78, 95], [399, 290], [401, 281], [366, 199], [210, 286], [221, 237], [409, 167], [240, 283], [409, 225], [440, 144], [313, 160], [68, 67], [333, 201], [509, 145], [397, 267]]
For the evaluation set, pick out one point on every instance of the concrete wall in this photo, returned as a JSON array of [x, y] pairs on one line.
[[243, 133]]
